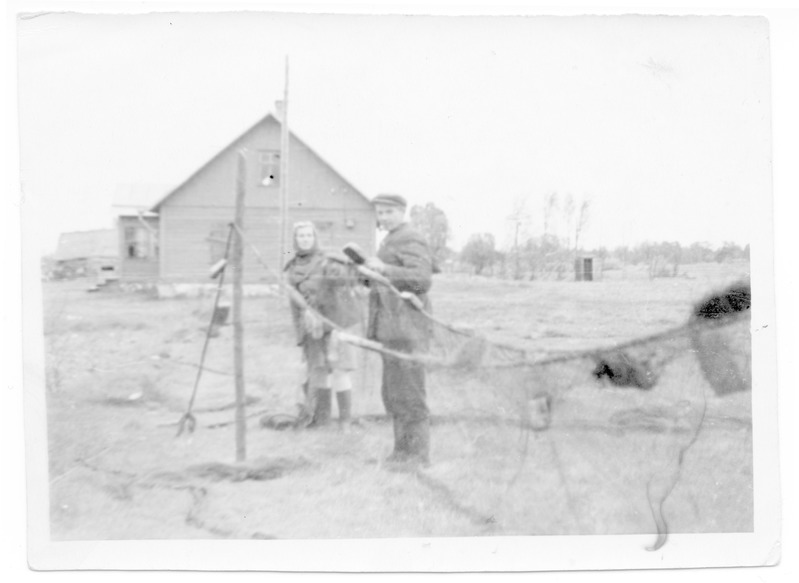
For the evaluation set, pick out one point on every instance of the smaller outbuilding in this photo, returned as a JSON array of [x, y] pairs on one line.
[[587, 268], [87, 254]]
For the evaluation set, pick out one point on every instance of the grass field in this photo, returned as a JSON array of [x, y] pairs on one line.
[[120, 370]]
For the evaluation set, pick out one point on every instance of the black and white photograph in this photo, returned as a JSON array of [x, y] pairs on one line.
[[393, 292]]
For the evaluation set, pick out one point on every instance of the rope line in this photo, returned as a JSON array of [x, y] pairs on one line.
[[188, 422], [656, 502], [296, 297], [521, 357]]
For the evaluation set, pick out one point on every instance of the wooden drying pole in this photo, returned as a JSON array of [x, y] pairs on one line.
[[284, 169], [238, 328]]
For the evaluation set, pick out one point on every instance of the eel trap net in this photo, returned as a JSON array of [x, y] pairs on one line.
[[597, 441], [650, 436]]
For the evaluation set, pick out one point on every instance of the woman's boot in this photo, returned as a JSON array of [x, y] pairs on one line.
[[344, 399]]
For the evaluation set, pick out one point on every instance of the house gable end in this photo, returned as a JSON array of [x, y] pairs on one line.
[[218, 174]]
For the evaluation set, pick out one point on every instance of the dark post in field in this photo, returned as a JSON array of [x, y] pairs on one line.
[[238, 328]]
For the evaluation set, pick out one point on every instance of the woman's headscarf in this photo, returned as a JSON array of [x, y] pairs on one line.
[[305, 252]]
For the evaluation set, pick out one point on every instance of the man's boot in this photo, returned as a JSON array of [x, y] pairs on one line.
[[400, 453], [344, 399], [419, 442], [322, 410]]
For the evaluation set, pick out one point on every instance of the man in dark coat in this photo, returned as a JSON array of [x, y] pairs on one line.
[[405, 260]]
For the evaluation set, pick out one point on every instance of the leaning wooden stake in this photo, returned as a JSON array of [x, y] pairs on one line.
[[238, 328]]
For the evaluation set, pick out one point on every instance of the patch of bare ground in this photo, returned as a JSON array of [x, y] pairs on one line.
[[121, 368]]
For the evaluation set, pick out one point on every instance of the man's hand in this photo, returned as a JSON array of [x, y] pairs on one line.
[[375, 264], [413, 299]]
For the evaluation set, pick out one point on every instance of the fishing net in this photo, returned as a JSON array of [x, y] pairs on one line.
[[596, 441], [649, 435], [557, 408]]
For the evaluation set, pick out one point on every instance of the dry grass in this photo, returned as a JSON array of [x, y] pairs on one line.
[[124, 372]]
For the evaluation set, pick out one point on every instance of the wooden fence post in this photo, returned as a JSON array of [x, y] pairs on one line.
[[238, 328]]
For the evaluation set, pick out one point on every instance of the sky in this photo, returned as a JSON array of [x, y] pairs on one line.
[[662, 123]]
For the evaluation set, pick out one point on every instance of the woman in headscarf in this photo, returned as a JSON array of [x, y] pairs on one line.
[[326, 283]]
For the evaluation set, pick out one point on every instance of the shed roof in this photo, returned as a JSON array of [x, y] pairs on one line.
[[85, 244], [138, 196], [270, 116]]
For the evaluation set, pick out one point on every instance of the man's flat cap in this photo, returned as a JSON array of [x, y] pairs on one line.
[[390, 200]]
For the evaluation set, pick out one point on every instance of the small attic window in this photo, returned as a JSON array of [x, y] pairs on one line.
[[269, 165]]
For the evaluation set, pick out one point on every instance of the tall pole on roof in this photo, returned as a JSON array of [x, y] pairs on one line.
[[284, 169]]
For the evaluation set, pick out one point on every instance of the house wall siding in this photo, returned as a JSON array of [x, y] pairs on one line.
[[195, 235], [312, 182], [200, 210]]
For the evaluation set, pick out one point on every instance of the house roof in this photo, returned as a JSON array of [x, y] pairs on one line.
[[293, 136], [85, 244], [136, 197], [133, 212]]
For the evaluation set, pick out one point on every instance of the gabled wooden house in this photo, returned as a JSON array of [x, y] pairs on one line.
[[184, 233]]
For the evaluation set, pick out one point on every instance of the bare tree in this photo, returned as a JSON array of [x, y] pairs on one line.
[[520, 218], [480, 251], [568, 217], [434, 226], [550, 211], [582, 222]]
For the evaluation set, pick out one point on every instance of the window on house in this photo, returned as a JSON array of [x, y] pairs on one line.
[[140, 243], [269, 162]]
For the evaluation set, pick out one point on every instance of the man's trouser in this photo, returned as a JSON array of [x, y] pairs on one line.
[[404, 397]]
